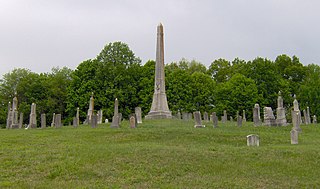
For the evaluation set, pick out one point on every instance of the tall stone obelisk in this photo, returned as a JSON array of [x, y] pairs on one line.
[[159, 108]]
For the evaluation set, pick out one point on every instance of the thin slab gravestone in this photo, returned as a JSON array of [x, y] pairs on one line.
[[43, 121], [215, 120], [294, 136], [75, 122], [94, 121], [132, 121], [239, 121], [314, 119], [205, 117], [116, 118], [57, 121], [138, 111], [197, 119], [256, 115], [244, 119], [53, 120], [21, 120], [253, 140], [33, 117]]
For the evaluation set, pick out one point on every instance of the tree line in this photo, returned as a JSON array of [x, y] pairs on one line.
[[117, 73]]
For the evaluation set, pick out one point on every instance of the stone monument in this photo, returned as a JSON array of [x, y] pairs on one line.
[[281, 113], [224, 118], [215, 120], [256, 115], [197, 119], [99, 116], [132, 121], [239, 121], [205, 117], [296, 115], [90, 110], [33, 117], [314, 119], [116, 118], [57, 121], [43, 121], [269, 119], [253, 140], [159, 108], [244, 119], [78, 117], [137, 111]]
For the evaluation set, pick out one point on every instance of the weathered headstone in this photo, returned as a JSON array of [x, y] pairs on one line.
[[90, 110], [294, 136], [57, 121], [115, 119], [99, 116], [33, 117], [205, 117], [184, 116], [305, 117], [281, 113], [314, 119], [253, 140], [159, 107], [231, 119], [106, 121], [43, 121], [94, 121], [225, 116], [21, 120], [198, 120], [269, 119], [138, 113], [215, 120], [256, 115], [211, 118], [189, 116], [53, 120], [237, 115], [244, 119], [14, 114], [239, 121], [132, 121], [75, 122], [78, 117], [9, 116], [179, 115], [120, 117], [308, 115], [296, 115]]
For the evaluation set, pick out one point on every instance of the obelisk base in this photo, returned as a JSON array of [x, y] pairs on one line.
[[159, 115]]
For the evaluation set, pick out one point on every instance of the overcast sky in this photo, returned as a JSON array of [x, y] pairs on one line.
[[41, 34]]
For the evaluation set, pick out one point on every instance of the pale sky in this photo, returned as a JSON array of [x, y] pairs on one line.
[[41, 34]]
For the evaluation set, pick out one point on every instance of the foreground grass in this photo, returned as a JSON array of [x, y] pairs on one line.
[[159, 154]]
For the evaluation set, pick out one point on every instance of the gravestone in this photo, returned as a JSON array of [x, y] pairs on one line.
[[294, 136], [33, 117], [253, 140], [185, 116], [197, 119], [106, 121], [90, 110], [179, 115], [237, 115], [15, 114], [307, 116], [77, 117], [99, 116], [281, 113], [215, 120], [296, 115], [205, 117], [53, 120], [138, 113], [314, 119], [9, 116], [120, 117], [116, 118], [231, 119], [75, 122], [244, 119], [224, 117], [94, 121], [211, 118], [189, 116], [132, 121], [159, 108], [43, 121], [256, 115], [269, 119], [21, 120], [57, 121], [239, 121]]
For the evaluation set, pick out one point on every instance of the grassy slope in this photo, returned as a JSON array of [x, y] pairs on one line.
[[159, 154]]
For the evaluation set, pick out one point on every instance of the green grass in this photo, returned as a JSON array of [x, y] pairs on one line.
[[159, 154]]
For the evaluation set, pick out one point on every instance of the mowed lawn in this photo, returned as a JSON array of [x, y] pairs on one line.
[[159, 154]]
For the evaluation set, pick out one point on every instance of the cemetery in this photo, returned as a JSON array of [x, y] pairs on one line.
[[253, 146]]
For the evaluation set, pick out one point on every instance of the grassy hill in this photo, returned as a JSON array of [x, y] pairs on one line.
[[159, 154]]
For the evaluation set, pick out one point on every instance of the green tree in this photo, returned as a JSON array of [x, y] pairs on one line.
[[220, 70]]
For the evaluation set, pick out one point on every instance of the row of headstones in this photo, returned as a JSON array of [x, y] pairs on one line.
[[214, 119], [207, 118], [94, 120]]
